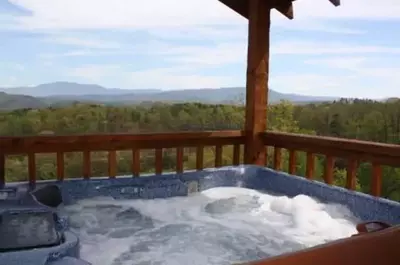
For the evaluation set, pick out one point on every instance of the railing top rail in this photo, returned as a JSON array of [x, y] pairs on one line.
[[100, 142], [386, 154]]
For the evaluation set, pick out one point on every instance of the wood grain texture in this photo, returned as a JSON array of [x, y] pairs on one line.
[[376, 182], [351, 177], [112, 164], [60, 166], [218, 156], [200, 157], [257, 80], [278, 158], [2, 170], [179, 159], [80, 143], [236, 155], [136, 162], [379, 153], [310, 165], [159, 161], [329, 170], [292, 162], [87, 164]]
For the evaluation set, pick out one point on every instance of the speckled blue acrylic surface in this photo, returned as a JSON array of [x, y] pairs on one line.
[[51, 255], [365, 207]]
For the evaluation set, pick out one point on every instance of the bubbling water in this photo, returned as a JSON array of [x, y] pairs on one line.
[[217, 226]]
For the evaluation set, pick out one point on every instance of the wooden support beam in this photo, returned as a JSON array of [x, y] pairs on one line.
[[335, 2], [285, 8], [257, 80]]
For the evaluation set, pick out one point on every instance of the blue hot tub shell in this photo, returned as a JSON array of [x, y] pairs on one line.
[[365, 207]]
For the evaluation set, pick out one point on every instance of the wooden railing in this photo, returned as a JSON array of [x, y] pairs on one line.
[[354, 151], [86, 144], [332, 148]]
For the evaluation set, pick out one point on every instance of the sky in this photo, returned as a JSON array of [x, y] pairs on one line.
[[349, 51]]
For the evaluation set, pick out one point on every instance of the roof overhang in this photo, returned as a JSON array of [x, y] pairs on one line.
[[285, 7]]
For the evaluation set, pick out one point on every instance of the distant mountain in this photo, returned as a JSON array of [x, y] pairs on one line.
[[8, 102], [70, 89], [394, 99], [62, 91]]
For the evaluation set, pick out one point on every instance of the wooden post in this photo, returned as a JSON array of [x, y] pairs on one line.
[[257, 80]]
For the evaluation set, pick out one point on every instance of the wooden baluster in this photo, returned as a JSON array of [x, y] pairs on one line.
[[179, 159], [266, 156], [87, 165], [199, 157], [60, 166], [218, 156], [136, 162], [32, 169], [2, 170], [310, 165], [112, 164], [159, 161], [376, 185], [292, 162], [351, 177], [236, 155], [329, 170], [278, 158]]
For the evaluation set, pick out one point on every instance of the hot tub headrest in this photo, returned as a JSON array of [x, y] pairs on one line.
[[49, 195]]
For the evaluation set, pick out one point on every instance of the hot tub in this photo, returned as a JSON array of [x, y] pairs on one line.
[[130, 211]]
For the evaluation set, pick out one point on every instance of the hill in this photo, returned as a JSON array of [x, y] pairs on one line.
[[8, 102], [221, 95], [65, 91], [69, 89]]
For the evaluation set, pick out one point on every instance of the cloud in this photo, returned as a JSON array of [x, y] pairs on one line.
[[225, 52], [178, 77], [95, 14], [9, 81], [339, 62], [310, 83], [155, 14], [75, 53], [314, 25], [361, 67], [374, 78], [181, 65], [16, 67], [350, 9], [181, 38], [83, 42], [174, 78], [334, 84], [319, 48], [94, 73], [206, 54]]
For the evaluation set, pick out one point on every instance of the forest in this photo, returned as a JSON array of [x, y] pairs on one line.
[[348, 118]]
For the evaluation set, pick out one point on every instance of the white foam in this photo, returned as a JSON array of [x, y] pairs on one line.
[[239, 225]]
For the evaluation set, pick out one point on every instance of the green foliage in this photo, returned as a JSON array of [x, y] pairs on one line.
[[361, 119]]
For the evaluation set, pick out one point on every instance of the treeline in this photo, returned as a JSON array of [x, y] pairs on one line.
[[360, 119]]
